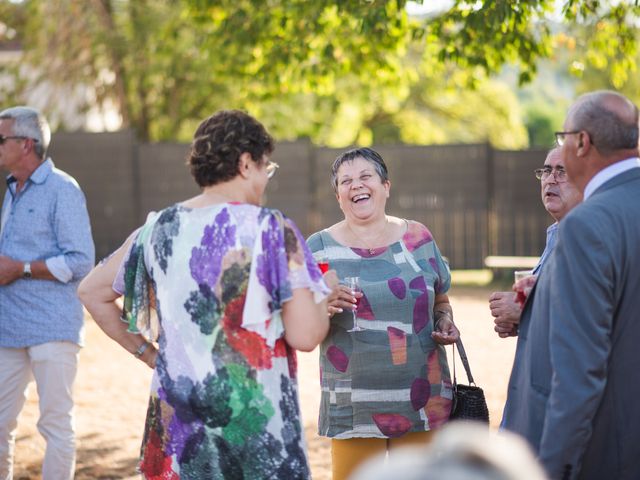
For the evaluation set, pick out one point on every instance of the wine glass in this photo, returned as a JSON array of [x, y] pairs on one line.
[[518, 275], [354, 284]]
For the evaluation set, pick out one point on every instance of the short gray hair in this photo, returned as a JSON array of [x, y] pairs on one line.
[[608, 130], [365, 153], [30, 123]]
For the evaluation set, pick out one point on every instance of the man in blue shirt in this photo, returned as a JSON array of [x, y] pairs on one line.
[[559, 196], [46, 248]]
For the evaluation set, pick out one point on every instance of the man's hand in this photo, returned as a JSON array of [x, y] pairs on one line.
[[506, 312], [10, 270]]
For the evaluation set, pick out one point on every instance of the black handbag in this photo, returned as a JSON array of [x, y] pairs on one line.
[[468, 400]]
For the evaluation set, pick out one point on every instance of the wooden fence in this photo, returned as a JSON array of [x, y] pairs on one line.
[[477, 201]]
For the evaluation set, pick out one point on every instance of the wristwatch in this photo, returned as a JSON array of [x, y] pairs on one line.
[[26, 270]]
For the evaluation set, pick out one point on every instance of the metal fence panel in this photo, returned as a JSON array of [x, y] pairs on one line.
[[290, 189], [519, 220], [443, 187], [103, 165], [164, 176]]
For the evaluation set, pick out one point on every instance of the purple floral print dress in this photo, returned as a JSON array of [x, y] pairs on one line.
[[208, 285]]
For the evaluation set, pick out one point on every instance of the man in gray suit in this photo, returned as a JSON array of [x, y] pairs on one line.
[[573, 390]]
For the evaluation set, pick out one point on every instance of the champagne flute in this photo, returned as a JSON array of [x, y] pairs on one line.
[[354, 284]]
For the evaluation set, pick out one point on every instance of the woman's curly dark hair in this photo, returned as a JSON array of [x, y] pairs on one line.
[[220, 140]]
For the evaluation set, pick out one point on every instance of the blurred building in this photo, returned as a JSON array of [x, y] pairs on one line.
[[67, 109]]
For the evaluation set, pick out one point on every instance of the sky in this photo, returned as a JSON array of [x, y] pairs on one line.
[[429, 6]]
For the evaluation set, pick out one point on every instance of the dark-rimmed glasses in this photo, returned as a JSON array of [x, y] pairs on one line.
[[561, 136], [559, 173], [12, 137], [271, 168]]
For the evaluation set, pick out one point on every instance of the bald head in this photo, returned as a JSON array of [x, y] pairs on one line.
[[601, 129], [610, 119]]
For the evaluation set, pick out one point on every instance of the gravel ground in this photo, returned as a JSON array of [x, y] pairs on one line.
[[111, 397]]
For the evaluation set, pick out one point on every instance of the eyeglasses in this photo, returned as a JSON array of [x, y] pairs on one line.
[[559, 173], [271, 168], [561, 136], [11, 137]]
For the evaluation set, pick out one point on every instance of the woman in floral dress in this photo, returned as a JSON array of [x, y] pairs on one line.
[[226, 289], [387, 384]]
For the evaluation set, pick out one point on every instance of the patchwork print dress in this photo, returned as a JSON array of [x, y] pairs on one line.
[[224, 401], [390, 378]]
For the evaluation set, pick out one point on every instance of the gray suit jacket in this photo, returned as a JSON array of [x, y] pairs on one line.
[[574, 388]]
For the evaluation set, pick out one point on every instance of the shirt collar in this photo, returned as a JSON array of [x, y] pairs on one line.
[[39, 175], [608, 173], [42, 172]]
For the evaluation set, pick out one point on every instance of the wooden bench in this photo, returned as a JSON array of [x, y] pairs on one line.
[[496, 262], [502, 267]]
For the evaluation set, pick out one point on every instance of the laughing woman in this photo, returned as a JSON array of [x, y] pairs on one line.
[[386, 384]]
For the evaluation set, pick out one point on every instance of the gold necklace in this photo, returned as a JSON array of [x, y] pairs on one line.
[[371, 250]]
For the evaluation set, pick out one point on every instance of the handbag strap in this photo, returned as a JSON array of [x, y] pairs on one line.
[[465, 361]]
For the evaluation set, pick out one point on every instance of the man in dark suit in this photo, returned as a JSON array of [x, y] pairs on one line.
[[573, 390]]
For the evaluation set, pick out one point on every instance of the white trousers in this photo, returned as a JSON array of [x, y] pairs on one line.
[[53, 366]]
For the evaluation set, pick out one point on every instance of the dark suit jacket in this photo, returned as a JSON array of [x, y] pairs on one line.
[[574, 388]]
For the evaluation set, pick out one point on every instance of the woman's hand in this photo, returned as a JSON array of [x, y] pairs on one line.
[[341, 296], [446, 332]]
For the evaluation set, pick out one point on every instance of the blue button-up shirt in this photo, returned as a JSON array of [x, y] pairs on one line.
[[548, 248], [47, 220]]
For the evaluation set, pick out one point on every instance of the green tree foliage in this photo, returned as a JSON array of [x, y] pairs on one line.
[[603, 53], [544, 101], [606, 39], [13, 19], [435, 107], [491, 33], [141, 56], [600, 50], [338, 71]]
